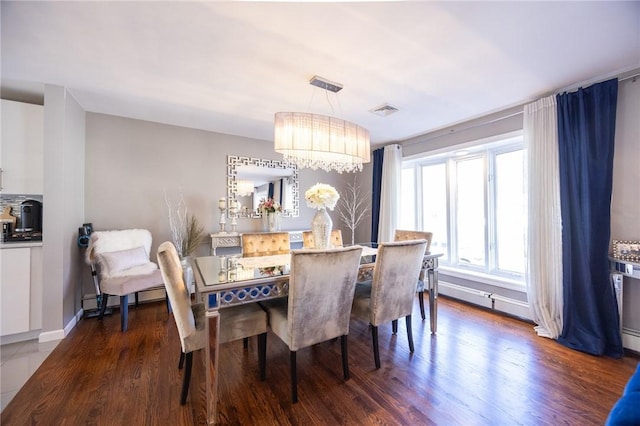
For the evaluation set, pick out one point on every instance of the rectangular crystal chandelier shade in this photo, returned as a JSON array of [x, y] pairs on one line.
[[320, 137]]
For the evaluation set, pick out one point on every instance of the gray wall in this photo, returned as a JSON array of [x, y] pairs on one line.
[[63, 202], [129, 164], [625, 201]]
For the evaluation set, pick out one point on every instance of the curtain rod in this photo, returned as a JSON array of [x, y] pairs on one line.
[[459, 128], [455, 129], [629, 77]]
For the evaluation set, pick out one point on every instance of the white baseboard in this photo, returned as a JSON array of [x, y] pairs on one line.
[[48, 336], [19, 337], [485, 299], [631, 339], [466, 294], [517, 308], [511, 306], [90, 304]]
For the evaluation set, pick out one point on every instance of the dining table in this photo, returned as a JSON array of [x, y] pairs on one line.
[[228, 280]]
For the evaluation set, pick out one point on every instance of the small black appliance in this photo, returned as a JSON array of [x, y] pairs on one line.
[[31, 216]]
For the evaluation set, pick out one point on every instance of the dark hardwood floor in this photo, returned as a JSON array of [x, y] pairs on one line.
[[480, 369]]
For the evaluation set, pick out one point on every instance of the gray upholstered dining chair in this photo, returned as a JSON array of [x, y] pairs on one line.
[[318, 307], [390, 294], [265, 244], [309, 242], [121, 259], [405, 235], [236, 322]]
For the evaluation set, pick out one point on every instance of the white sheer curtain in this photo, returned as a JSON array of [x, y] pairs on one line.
[[390, 192], [544, 247]]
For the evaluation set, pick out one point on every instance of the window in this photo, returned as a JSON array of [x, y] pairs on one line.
[[434, 207], [510, 211], [475, 205]]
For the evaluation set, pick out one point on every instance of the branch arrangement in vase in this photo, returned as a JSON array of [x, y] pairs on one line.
[[194, 236], [186, 232], [353, 207]]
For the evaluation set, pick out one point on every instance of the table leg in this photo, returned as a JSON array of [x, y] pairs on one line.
[[211, 366], [432, 275]]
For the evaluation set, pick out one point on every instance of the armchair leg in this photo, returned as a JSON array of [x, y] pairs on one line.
[[103, 305], [262, 355], [186, 379], [421, 301], [345, 357], [376, 352], [294, 377], [394, 326], [181, 362], [124, 312], [409, 333], [166, 298]]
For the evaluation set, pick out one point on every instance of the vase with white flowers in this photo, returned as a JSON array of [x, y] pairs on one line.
[[322, 197]]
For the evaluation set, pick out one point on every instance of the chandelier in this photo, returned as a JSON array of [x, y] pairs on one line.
[[321, 142]]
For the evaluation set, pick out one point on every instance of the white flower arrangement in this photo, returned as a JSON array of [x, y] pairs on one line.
[[321, 196]]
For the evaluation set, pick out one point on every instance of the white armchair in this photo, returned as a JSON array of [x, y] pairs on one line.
[[122, 261]]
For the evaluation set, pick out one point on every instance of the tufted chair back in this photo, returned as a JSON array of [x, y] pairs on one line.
[[236, 322], [308, 242], [318, 307], [390, 295], [191, 331], [265, 244], [404, 235]]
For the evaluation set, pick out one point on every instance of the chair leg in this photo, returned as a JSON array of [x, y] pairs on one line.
[[294, 377], [124, 312], [421, 301], [394, 326], [245, 343], [262, 355], [345, 357], [137, 303], [103, 306], [181, 362], [376, 352], [409, 333], [186, 379]]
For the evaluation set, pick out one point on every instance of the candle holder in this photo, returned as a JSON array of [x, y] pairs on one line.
[[233, 214], [222, 206]]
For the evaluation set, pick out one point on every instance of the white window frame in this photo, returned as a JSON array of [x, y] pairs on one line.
[[488, 149]]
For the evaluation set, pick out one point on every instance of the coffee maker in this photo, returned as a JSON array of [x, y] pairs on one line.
[[30, 216], [29, 225]]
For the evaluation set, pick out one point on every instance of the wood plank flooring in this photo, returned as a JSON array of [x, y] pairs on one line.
[[480, 369]]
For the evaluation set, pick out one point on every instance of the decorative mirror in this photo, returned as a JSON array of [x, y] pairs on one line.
[[250, 180]]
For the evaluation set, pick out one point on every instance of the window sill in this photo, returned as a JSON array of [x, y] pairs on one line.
[[494, 280]]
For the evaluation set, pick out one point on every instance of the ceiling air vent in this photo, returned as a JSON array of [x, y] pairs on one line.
[[384, 110]]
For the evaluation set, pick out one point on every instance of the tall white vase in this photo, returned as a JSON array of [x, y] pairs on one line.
[[321, 229], [271, 221]]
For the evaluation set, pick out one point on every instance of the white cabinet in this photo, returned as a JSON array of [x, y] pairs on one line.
[[15, 290], [21, 148], [35, 317]]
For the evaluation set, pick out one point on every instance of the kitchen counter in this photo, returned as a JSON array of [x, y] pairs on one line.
[[20, 244]]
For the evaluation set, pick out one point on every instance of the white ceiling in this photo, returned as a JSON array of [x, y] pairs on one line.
[[229, 66]]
